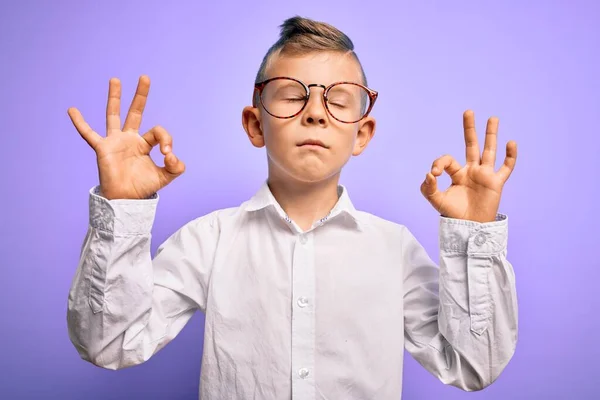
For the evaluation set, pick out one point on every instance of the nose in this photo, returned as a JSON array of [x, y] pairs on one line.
[[315, 112]]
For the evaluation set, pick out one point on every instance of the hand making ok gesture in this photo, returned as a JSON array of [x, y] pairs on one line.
[[476, 187], [125, 168]]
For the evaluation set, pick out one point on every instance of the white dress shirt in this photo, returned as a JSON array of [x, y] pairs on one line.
[[320, 314]]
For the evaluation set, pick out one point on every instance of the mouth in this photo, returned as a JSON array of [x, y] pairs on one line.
[[312, 143]]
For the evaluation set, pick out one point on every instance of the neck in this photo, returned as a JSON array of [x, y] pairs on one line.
[[304, 202]]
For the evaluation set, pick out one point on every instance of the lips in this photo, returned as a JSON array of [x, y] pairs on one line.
[[312, 142]]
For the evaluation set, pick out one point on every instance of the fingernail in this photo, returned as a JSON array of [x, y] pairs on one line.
[[434, 170], [167, 148]]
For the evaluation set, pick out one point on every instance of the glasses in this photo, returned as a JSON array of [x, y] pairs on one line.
[[284, 97]]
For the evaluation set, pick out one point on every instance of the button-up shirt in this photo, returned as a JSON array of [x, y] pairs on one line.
[[290, 314]]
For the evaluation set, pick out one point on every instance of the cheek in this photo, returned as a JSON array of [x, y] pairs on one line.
[[348, 139], [278, 143]]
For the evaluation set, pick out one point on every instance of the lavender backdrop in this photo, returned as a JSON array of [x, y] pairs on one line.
[[533, 64]]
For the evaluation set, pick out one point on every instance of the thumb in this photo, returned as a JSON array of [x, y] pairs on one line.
[[430, 191]]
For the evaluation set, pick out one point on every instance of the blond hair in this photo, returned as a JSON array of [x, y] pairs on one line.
[[301, 36]]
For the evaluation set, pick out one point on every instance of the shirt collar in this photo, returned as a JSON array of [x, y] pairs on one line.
[[264, 198]]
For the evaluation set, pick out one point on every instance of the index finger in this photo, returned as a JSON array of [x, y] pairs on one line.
[[472, 147], [134, 116]]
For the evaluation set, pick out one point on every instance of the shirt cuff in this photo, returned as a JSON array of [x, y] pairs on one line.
[[471, 237], [123, 216]]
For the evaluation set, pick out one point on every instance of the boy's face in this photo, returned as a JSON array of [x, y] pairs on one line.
[[288, 158]]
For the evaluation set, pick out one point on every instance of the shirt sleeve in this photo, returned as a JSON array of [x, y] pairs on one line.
[[461, 317], [123, 305]]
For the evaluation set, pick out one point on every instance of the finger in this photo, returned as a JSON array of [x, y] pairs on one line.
[[489, 148], [134, 116], [173, 167], [472, 147], [159, 135], [113, 107], [429, 189], [445, 163], [509, 161], [86, 131]]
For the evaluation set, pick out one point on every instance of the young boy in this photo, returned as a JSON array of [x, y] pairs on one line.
[[305, 297]]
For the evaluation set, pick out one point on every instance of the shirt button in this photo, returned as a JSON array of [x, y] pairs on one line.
[[303, 239], [302, 302], [480, 239], [303, 372]]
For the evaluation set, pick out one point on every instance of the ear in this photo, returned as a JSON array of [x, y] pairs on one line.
[[366, 131], [251, 124]]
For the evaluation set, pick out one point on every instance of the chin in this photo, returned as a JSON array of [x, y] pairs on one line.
[[307, 170], [312, 176]]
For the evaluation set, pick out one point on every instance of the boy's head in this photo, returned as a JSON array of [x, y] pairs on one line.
[[309, 57]]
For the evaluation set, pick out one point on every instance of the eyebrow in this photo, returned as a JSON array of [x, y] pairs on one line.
[[288, 84]]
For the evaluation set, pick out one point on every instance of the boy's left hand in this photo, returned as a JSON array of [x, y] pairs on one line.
[[476, 188]]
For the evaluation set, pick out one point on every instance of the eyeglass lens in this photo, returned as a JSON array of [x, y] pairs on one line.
[[285, 97]]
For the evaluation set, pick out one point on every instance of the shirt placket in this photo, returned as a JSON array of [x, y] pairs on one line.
[[303, 318]]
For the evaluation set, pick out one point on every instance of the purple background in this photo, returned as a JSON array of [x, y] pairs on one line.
[[533, 65]]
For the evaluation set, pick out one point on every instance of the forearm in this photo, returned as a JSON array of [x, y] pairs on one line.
[[118, 315], [478, 304], [110, 297], [470, 330]]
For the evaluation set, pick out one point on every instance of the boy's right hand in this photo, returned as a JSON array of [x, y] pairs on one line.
[[125, 168]]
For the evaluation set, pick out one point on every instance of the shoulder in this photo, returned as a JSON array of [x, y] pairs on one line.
[[376, 224], [216, 218]]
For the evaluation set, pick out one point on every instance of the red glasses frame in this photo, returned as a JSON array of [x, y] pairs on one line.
[[260, 86]]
